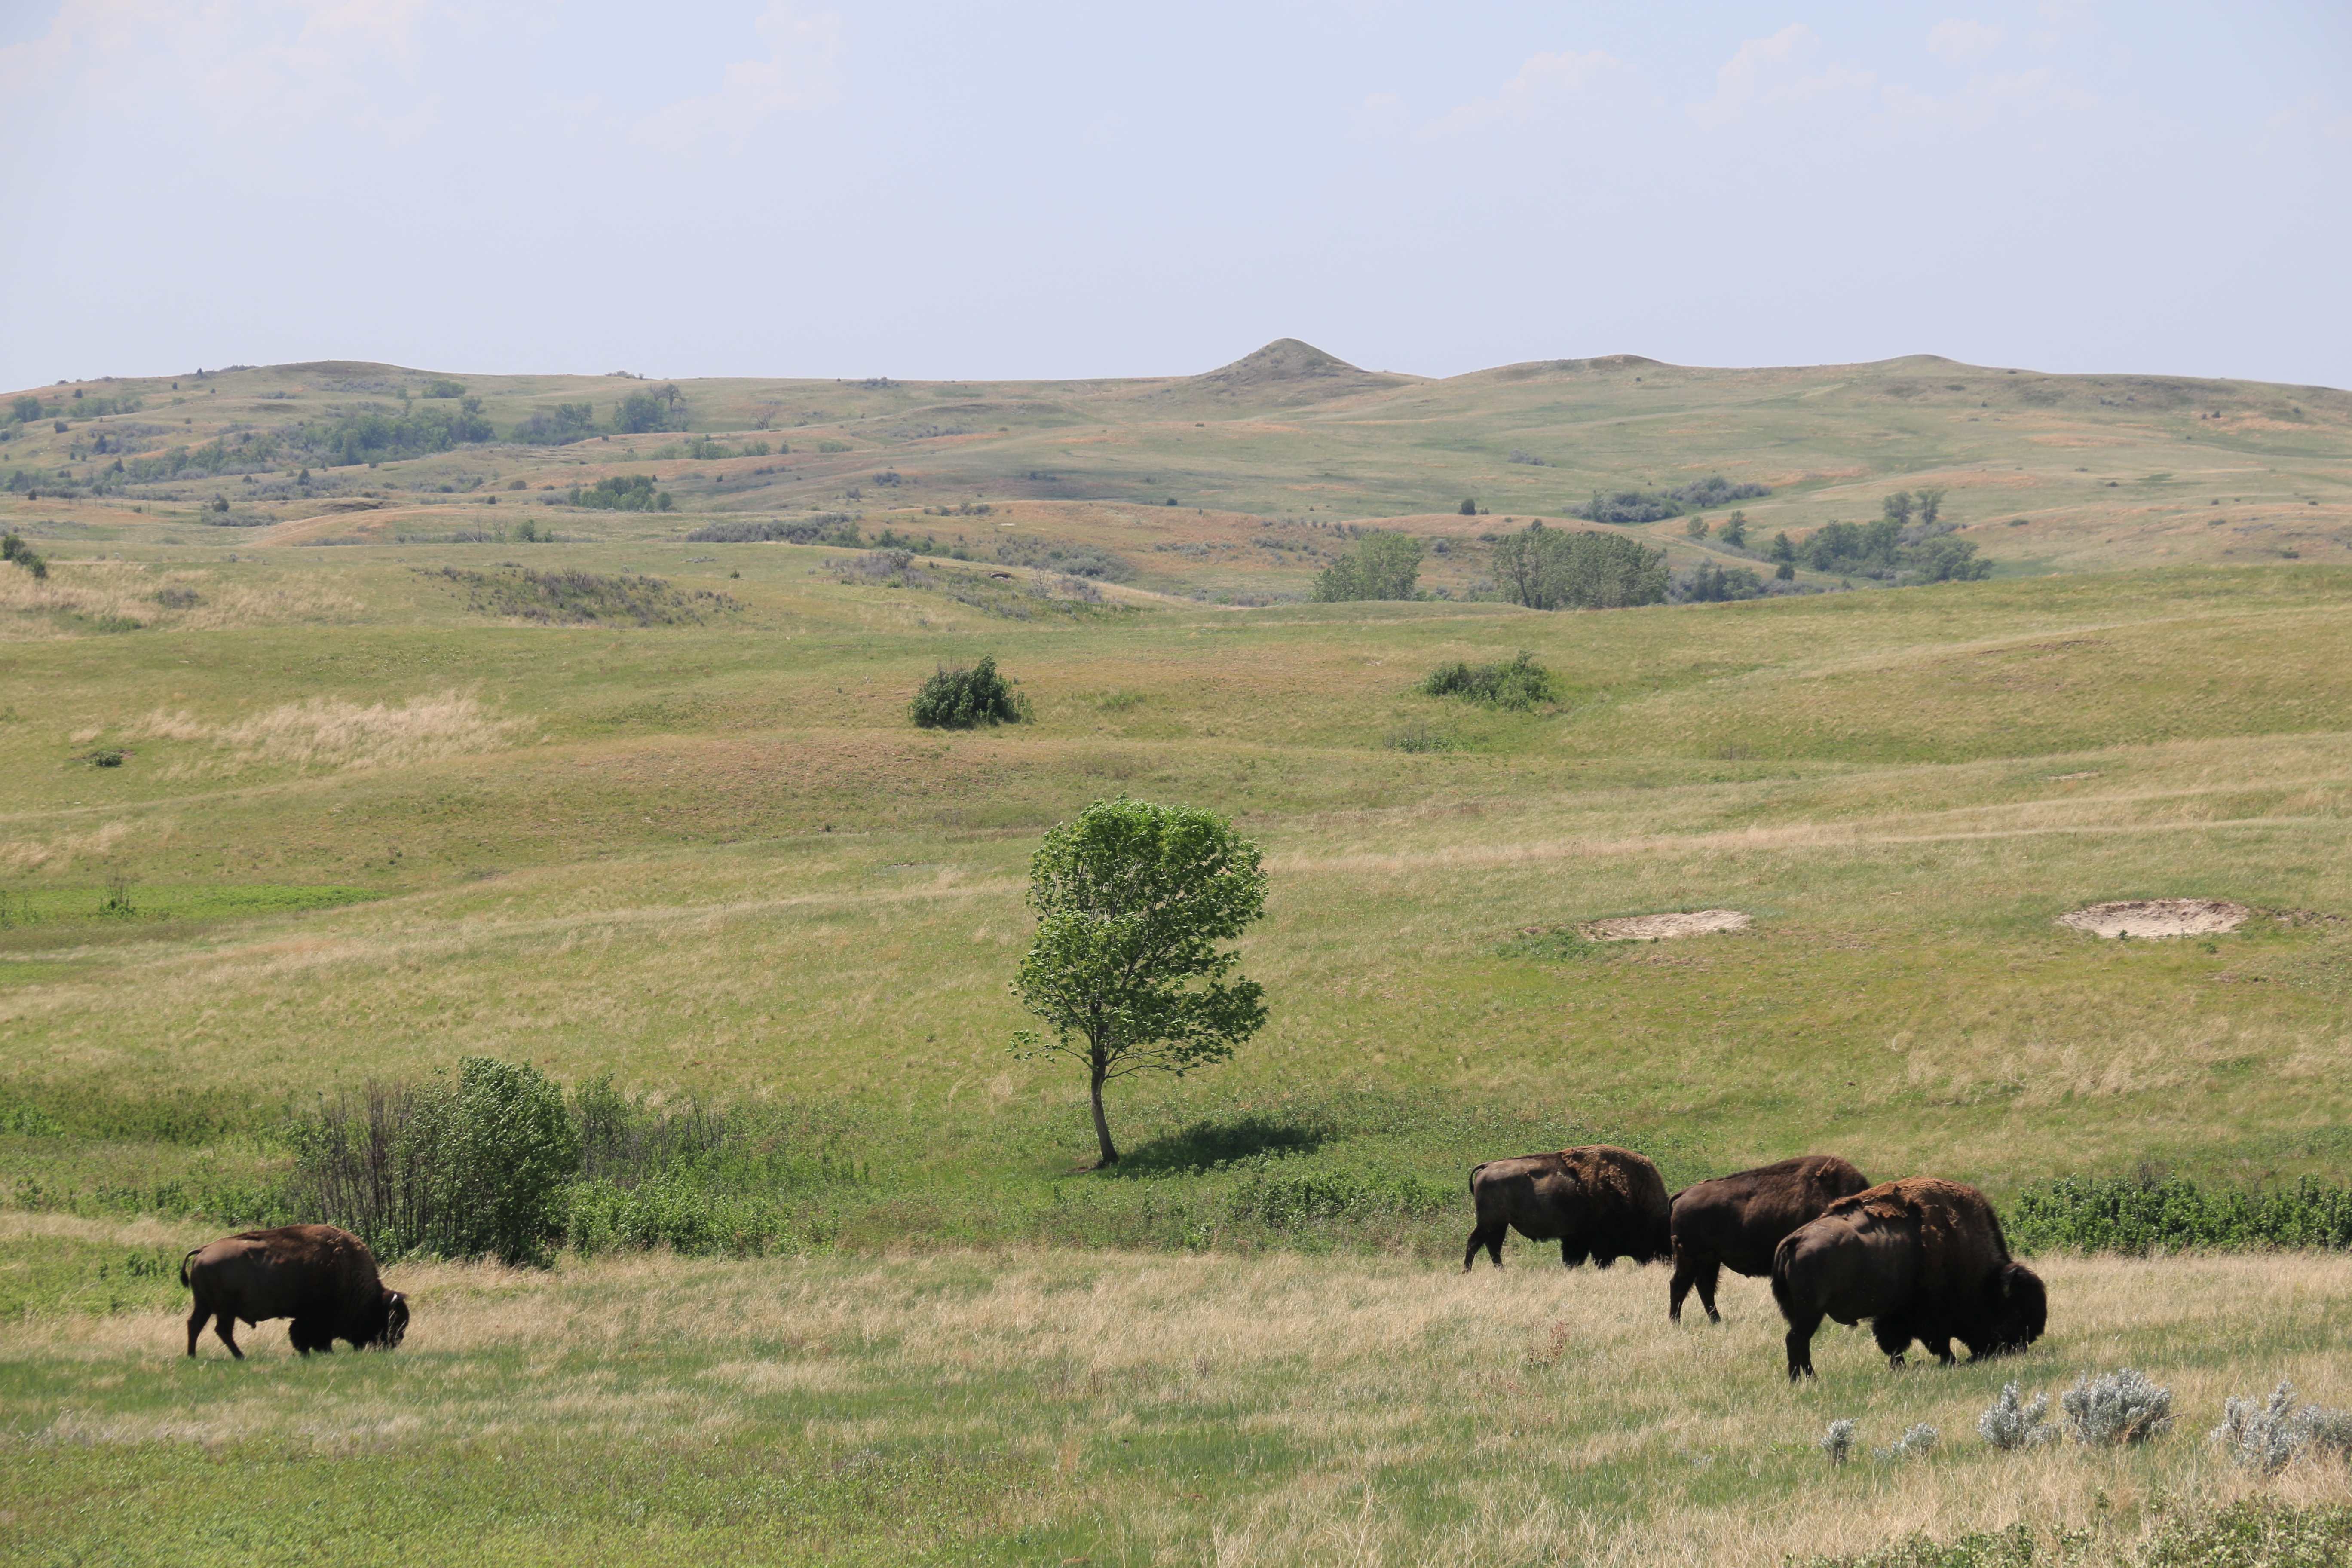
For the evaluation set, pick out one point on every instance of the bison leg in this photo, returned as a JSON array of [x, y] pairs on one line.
[[1705, 1277], [196, 1325], [1491, 1240], [1894, 1336], [224, 1327], [1800, 1345], [1570, 1255], [1942, 1350]]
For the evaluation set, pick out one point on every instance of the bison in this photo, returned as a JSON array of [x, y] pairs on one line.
[[1599, 1203], [1923, 1260], [322, 1277], [1734, 1222]]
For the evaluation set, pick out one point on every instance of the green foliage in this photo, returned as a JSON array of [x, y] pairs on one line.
[[1519, 682], [1710, 582], [375, 435], [571, 597], [824, 528], [1627, 507], [1897, 508], [468, 1169], [1734, 531], [13, 547], [442, 386], [1131, 899], [625, 492], [1716, 490], [1382, 565], [27, 409], [1076, 559], [1556, 569], [557, 427], [962, 698], [1888, 549], [640, 411], [1469, 509], [2144, 1214]]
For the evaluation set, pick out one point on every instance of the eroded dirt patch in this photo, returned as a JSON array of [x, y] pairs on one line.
[[1657, 928], [2159, 917]]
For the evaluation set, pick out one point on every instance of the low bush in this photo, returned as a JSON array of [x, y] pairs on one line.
[[1716, 490], [2117, 1409], [2256, 1532], [1838, 1441], [2009, 1425], [824, 528], [575, 598], [962, 698], [2147, 1212], [1626, 507], [558, 427], [1071, 560], [627, 493], [13, 547], [1519, 683], [2266, 1436]]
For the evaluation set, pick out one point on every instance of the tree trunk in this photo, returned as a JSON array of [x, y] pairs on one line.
[[1102, 1123]]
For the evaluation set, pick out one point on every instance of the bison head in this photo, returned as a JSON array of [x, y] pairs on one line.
[[2020, 1308], [395, 1321]]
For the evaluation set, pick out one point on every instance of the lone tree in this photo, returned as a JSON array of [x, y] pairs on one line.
[[1131, 899]]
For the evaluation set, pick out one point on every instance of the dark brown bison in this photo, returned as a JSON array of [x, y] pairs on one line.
[[322, 1277], [1599, 1203], [1735, 1222], [1923, 1260]]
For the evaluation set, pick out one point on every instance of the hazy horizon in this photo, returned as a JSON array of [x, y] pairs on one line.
[[928, 191]]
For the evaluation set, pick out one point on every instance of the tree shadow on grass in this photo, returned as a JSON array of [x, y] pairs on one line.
[[1216, 1140]]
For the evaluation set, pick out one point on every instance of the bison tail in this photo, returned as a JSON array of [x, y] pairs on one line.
[[184, 1266], [1473, 1177]]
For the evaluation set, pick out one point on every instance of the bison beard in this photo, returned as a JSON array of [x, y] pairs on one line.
[[1736, 1222], [1923, 1260], [322, 1277], [1599, 1203]]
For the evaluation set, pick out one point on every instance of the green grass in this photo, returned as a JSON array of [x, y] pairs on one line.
[[367, 829]]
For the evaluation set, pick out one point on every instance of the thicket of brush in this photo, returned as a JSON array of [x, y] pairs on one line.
[[2147, 1212]]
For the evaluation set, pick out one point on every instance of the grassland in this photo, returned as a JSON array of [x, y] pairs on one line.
[[285, 818]]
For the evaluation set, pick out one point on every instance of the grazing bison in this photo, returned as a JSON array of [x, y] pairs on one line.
[[1735, 1222], [322, 1277], [1599, 1203], [1923, 1260]]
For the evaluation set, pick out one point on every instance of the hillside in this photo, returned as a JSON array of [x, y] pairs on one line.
[[1261, 458]]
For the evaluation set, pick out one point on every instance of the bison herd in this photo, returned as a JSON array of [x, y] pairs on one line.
[[1922, 1258]]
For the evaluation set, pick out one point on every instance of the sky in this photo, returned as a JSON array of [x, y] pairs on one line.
[[988, 189]]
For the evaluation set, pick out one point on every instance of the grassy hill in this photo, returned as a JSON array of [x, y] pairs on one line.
[[348, 779]]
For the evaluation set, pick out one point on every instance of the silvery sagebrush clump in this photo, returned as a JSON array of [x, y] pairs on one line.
[[2009, 1424], [1838, 1442], [2266, 1438], [1916, 1444], [2116, 1408]]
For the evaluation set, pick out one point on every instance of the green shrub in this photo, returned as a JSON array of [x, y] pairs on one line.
[[625, 492], [2142, 1213], [1521, 683], [962, 698], [1562, 569], [13, 547], [557, 427]]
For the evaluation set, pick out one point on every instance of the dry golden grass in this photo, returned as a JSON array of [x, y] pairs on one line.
[[120, 595], [1335, 1410], [330, 734]]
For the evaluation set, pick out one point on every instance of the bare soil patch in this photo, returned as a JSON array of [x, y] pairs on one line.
[[1658, 928], [2159, 917]]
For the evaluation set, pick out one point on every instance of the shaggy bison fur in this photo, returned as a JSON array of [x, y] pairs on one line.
[[1599, 1203], [322, 1277], [1923, 1260], [1735, 1222]]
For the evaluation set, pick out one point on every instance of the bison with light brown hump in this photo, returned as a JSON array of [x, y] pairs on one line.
[[1922, 1258], [1599, 1202], [1736, 1222], [322, 1277]]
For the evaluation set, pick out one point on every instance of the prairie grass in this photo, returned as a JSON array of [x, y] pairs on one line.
[[1149, 1408], [328, 732]]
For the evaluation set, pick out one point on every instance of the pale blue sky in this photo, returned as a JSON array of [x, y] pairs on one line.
[[972, 190]]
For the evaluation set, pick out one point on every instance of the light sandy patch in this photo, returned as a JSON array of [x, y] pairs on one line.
[[2159, 917], [1659, 928]]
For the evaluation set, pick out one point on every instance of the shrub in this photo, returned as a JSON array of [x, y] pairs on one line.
[[461, 1170], [2265, 1437], [2009, 1425], [961, 699], [2141, 1213], [1627, 506], [1382, 565], [442, 386], [824, 528], [1073, 560], [27, 409], [1709, 583], [1469, 509], [1838, 1441], [1419, 739], [13, 547], [575, 598], [2117, 1409], [627, 493], [1916, 1443], [640, 411], [1716, 490], [1521, 683]]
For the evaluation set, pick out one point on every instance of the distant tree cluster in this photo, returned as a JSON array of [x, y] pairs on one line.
[[1712, 583], [1380, 565], [557, 427], [824, 528], [626, 492], [378, 434], [1894, 548], [1563, 569], [1716, 490], [1627, 507], [654, 410]]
